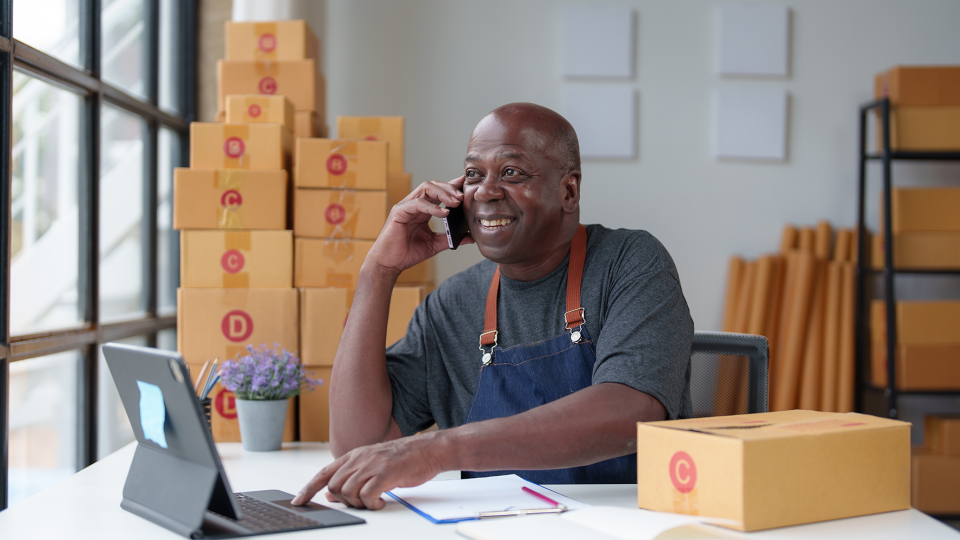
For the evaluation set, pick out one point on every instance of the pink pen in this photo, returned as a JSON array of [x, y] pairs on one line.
[[543, 498]]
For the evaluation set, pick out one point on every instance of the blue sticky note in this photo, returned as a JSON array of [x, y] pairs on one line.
[[152, 413]]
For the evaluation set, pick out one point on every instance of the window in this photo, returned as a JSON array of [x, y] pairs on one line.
[[101, 95]]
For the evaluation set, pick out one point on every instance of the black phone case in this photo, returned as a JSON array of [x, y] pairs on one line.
[[455, 225]]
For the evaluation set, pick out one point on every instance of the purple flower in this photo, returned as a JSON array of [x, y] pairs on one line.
[[266, 373]]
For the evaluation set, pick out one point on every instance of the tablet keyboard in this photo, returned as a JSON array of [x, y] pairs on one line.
[[259, 516]]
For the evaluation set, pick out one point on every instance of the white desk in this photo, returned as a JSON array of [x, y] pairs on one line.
[[87, 505]]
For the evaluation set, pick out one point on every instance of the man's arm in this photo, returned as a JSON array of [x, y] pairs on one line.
[[361, 400], [593, 424]]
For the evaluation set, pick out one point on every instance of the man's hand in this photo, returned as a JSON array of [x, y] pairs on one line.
[[406, 238], [360, 476]]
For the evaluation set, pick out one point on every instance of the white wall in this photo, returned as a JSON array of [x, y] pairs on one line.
[[443, 64]]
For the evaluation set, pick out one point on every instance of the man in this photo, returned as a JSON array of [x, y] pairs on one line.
[[582, 332]]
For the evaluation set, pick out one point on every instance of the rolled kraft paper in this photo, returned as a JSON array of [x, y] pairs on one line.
[[854, 246], [788, 376], [812, 359], [806, 240], [775, 303], [788, 241], [743, 302], [761, 293], [846, 369], [821, 241], [790, 280], [831, 339], [734, 275], [841, 249], [729, 368]]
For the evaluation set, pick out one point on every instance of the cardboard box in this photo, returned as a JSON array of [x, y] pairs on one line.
[[239, 146], [328, 308], [329, 262], [339, 213], [768, 470], [338, 163], [299, 80], [919, 251], [257, 109], [307, 124], [215, 323], [428, 287], [223, 413], [918, 322], [942, 435], [398, 184], [315, 408], [922, 128], [271, 40], [229, 199], [376, 128], [919, 85], [424, 272], [919, 367], [935, 481], [924, 209], [236, 259]]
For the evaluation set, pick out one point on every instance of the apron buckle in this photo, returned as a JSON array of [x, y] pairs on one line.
[[575, 322], [487, 355]]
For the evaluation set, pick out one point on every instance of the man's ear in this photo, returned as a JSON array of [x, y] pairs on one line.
[[570, 184]]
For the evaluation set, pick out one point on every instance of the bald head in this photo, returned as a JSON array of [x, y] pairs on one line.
[[556, 136]]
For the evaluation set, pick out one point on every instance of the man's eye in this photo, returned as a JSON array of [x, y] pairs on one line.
[[510, 172], [472, 175]]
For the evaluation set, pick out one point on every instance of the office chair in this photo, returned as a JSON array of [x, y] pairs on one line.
[[728, 374]]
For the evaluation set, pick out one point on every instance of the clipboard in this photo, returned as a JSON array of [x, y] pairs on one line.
[[453, 501]]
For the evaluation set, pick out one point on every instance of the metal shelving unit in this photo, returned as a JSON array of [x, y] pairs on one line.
[[869, 397]]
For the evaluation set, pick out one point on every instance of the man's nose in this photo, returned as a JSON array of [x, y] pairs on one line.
[[488, 190]]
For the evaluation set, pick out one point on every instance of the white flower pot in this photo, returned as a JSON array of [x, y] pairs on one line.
[[262, 423]]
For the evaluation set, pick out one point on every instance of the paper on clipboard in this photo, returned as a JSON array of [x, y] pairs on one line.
[[451, 501]]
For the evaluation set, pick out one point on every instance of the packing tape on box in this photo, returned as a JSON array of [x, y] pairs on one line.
[[268, 72], [340, 279], [233, 260], [237, 240], [340, 173], [236, 137], [342, 213], [265, 40], [230, 212], [251, 105], [338, 250]]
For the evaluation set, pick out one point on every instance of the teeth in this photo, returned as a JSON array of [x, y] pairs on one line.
[[495, 222]]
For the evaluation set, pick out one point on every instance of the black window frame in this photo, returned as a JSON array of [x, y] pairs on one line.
[[87, 83]]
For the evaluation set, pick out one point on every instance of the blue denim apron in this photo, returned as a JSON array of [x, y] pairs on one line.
[[522, 377]]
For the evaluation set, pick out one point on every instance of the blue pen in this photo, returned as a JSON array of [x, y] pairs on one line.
[[212, 384]]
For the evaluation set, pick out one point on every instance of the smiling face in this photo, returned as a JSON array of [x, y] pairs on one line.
[[521, 189]]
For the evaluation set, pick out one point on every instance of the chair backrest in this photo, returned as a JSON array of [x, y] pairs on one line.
[[728, 374]]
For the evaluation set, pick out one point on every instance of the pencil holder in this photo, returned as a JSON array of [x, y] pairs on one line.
[[205, 404]]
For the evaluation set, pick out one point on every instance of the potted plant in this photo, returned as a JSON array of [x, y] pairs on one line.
[[264, 379]]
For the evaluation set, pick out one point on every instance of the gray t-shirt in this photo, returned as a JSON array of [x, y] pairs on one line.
[[634, 309]]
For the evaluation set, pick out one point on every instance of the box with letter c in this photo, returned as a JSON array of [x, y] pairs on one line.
[[236, 259], [760, 471], [229, 199]]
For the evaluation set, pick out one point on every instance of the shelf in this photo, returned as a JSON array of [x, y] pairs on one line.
[[872, 388], [916, 156]]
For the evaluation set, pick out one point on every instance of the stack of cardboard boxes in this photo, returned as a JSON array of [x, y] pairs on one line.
[[925, 107], [926, 236], [936, 467], [341, 201], [232, 205], [275, 58]]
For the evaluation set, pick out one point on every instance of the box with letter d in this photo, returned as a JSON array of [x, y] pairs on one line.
[[760, 471]]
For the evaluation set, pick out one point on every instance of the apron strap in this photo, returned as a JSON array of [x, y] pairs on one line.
[[574, 314]]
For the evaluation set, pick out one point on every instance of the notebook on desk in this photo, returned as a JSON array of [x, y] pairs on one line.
[[176, 479]]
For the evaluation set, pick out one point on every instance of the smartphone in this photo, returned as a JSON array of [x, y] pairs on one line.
[[455, 224]]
